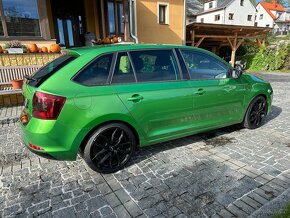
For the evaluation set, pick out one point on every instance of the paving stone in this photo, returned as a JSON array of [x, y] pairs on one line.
[[225, 213], [122, 195], [281, 183], [268, 194], [121, 211], [187, 177], [114, 184], [65, 212], [248, 173], [255, 204], [112, 200], [95, 203], [253, 170], [151, 212], [230, 164], [133, 208], [104, 188], [258, 198], [236, 211], [106, 211], [244, 207]]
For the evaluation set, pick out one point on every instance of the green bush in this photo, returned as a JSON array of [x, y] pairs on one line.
[[269, 58]]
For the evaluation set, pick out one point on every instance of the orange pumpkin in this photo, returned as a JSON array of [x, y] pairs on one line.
[[107, 40], [33, 48], [1, 49], [115, 39], [54, 48], [44, 49]]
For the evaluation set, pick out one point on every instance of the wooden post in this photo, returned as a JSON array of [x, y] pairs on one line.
[[234, 49], [214, 50], [259, 43], [199, 42], [193, 38]]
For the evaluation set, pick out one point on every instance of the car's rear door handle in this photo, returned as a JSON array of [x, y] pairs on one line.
[[200, 92], [135, 98]]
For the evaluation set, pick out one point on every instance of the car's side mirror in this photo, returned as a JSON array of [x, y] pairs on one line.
[[236, 73], [238, 70]]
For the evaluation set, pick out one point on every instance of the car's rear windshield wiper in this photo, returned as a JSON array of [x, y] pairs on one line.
[[29, 78]]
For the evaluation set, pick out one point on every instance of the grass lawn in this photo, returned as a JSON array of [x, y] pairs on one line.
[[285, 213]]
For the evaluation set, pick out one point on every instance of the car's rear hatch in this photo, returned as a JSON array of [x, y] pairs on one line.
[[33, 82]]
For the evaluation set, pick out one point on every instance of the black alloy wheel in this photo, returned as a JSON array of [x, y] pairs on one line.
[[255, 113], [109, 148]]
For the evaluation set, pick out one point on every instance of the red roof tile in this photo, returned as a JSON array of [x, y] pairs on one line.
[[272, 6]]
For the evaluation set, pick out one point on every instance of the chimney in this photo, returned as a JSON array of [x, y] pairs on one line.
[[275, 3]]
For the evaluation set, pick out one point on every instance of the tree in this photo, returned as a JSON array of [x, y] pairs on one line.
[[282, 2]]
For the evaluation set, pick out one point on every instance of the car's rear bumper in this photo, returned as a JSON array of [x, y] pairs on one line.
[[55, 139]]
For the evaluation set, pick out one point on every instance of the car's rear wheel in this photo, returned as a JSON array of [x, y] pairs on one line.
[[109, 148], [257, 110]]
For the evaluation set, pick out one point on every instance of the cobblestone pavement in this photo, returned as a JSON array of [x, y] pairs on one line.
[[230, 172]]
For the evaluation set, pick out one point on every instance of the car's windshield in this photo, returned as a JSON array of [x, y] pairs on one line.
[[46, 71]]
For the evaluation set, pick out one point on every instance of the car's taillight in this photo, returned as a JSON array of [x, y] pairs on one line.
[[46, 106], [35, 147]]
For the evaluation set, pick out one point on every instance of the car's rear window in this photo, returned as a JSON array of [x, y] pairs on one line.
[[95, 73], [48, 70]]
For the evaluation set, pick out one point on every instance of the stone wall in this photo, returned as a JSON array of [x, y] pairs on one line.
[[22, 60], [27, 59], [11, 99]]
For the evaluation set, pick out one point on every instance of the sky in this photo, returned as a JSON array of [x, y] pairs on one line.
[[285, 0]]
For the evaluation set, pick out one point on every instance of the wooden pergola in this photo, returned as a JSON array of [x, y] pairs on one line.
[[219, 35]]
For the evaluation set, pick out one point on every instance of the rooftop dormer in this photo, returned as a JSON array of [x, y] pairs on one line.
[[210, 5]]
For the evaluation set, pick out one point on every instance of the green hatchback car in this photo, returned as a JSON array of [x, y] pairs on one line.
[[105, 101]]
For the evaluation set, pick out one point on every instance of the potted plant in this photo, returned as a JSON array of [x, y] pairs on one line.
[[17, 84], [14, 47]]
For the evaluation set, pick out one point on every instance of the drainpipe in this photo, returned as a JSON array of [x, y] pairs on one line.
[[184, 23], [131, 20]]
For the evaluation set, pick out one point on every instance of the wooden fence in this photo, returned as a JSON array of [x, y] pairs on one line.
[[7, 74]]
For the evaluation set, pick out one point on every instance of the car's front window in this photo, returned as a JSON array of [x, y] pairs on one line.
[[155, 65], [204, 66]]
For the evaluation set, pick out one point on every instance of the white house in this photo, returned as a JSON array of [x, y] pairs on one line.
[[273, 15], [231, 12]]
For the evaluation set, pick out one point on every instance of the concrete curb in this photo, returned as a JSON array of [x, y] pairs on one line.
[[273, 207]]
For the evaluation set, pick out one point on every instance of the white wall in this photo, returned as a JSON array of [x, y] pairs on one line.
[[240, 13], [267, 19], [209, 17]]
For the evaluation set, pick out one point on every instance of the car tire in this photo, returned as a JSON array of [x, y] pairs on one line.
[[109, 148], [256, 111]]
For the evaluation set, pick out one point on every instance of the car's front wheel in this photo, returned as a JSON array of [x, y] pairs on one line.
[[257, 110], [109, 148]]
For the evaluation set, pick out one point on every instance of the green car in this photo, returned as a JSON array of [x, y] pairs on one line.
[[105, 101]]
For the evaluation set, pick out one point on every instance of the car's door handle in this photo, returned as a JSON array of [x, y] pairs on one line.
[[200, 92], [135, 98]]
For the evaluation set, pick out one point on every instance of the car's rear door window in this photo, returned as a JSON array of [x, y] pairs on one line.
[[48, 70], [96, 73], [203, 66], [155, 65], [123, 72]]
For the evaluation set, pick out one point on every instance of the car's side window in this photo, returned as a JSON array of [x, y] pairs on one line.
[[204, 66], [123, 72], [155, 65], [96, 73]]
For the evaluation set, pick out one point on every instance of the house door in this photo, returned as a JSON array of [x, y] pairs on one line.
[[68, 16]]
